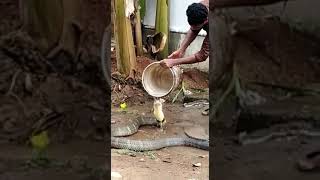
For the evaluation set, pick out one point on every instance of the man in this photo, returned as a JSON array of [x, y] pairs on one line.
[[197, 14]]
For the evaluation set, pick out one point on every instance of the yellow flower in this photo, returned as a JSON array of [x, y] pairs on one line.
[[123, 105]]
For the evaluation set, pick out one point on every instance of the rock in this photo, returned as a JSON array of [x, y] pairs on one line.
[[166, 161], [196, 132], [196, 165], [28, 82], [116, 176]]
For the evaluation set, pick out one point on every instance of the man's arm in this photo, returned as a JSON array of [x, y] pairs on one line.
[[200, 56], [190, 36], [203, 54]]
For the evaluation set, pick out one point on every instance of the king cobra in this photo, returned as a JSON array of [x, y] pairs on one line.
[[147, 145]]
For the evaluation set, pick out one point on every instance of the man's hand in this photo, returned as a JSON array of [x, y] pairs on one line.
[[167, 63], [176, 54]]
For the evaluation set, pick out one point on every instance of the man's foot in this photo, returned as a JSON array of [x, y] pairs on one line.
[[205, 112]]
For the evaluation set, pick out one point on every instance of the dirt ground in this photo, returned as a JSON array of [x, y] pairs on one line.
[[167, 163], [273, 54], [275, 159], [70, 109], [70, 104]]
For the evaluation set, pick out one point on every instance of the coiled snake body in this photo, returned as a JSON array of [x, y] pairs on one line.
[[147, 145]]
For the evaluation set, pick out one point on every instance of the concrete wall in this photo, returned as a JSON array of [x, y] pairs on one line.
[[301, 14]]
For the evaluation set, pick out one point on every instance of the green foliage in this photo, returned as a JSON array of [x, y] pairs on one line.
[[162, 23], [142, 4]]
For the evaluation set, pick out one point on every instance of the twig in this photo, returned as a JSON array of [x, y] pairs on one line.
[[176, 96], [13, 81], [20, 102], [11, 93], [54, 51]]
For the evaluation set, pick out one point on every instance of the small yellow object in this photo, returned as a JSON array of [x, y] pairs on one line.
[[123, 105], [40, 141]]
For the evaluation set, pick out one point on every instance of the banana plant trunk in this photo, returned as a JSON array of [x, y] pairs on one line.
[[43, 20], [126, 56], [138, 32], [54, 25], [162, 23]]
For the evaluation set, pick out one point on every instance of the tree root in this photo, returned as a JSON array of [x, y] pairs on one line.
[[131, 78]]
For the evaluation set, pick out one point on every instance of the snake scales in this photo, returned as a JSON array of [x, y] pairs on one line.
[[147, 145]]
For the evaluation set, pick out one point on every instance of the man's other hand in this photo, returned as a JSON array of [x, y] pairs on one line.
[[176, 54], [167, 63]]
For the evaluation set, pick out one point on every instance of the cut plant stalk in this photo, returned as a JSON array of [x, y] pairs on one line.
[[138, 32], [234, 84], [181, 90]]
